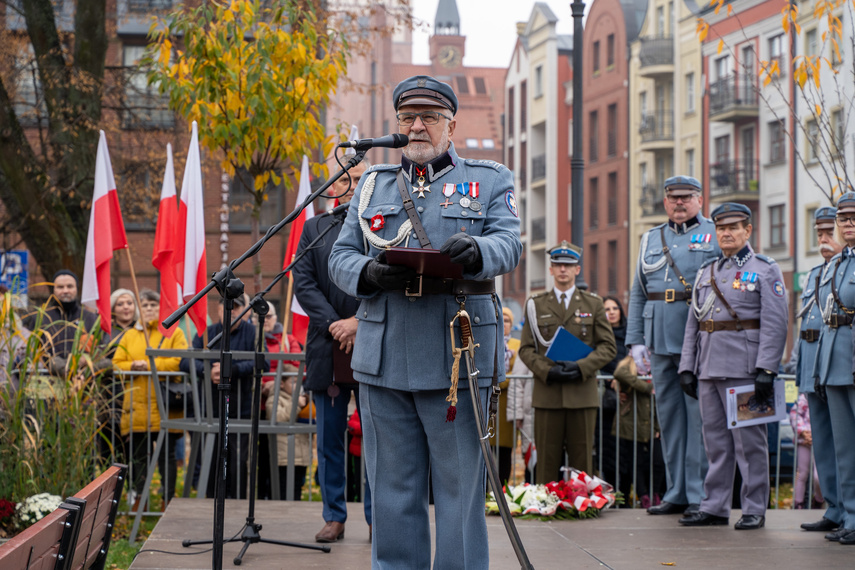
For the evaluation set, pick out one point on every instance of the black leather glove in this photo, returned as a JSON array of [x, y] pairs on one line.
[[819, 390], [564, 372], [377, 274], [689, 384], [463, 249], [764, 387]]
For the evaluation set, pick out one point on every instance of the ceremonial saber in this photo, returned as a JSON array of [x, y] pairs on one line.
[[492, 471]]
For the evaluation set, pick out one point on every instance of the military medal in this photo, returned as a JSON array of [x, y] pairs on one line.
[[448, 190], [699, 241], [377, 222], [465, 202], [475, 205], [421, 180], [446, 204]]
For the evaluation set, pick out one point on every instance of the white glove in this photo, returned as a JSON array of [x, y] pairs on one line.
[[642, 358]]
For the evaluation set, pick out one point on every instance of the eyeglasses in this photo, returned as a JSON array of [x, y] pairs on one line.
[[844, 220], [674, 199], [429, 118]]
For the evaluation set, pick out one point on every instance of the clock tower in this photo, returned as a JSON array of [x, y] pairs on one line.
[[446, 43]]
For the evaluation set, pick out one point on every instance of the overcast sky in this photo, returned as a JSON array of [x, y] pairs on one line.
[[490, 27]]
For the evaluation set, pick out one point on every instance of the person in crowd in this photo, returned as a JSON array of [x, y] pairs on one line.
[[669, 258], [735, 336], [140, 420], [800, 421], [604, 446], [14, 341], [820, 436], [565, 396], [302, 441], [403, 357], [833, 370], [329, 344], [504, 436], [243, 338], [519, 408]]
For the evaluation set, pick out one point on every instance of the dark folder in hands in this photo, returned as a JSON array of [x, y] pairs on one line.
[[565, 346], [427, 262]]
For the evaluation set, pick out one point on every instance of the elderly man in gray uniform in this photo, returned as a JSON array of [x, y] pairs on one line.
[[735, 336], [820, 419], [668, 261], [403, 352]]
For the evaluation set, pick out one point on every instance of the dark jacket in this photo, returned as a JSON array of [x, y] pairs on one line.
[[321, 299], [60, 322], [620, 337]]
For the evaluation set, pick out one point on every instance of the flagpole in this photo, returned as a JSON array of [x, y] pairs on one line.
[[137, 293], [287, 317]]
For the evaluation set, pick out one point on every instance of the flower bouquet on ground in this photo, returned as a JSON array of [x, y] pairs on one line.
[[35, 508], [580, 497]]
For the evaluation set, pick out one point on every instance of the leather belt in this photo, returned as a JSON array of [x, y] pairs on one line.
[[809, 335], [836, 320], [669, 296], [437, 286], [711, 326]]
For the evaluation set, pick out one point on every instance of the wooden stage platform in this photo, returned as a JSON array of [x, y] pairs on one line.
[[620, 539]]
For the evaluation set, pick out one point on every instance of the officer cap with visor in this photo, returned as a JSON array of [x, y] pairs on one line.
[[730, 212], [682, 186], [846, 203], [824, 218], [424, 90], [565, 253]]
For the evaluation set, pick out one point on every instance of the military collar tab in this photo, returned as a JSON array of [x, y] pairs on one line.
[[434, 169], [685, 227], [740, 257]]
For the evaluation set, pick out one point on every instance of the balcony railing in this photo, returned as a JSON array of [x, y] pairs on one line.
[[149, 5], [733, 93], [538, 167], [734, 177], [652, 199], [657, 50], [538, 229], [658, 126]]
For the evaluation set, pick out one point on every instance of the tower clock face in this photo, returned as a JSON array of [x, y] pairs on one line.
[[450, 56]]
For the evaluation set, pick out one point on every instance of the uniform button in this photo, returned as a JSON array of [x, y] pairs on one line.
[[420, 209], [365, 314], [414, 235], [412, 299], [462, 228], [477, 320], [727, 266], [718, 310], [724, 279], [464, 213]]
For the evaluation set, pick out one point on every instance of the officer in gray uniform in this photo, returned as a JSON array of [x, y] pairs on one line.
[[735, 336], [403, 353], [668, 261], [834, 362], [820, 419]]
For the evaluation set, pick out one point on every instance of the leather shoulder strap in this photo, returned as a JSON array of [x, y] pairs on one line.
[[410, 208], [670, 259], [722, 299], [834, 290]]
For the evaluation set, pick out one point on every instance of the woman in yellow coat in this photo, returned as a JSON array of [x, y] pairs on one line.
[[140, 421]]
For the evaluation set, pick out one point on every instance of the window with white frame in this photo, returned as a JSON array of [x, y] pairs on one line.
[[538, 81], [690, 162], [812, 140], [777, 151], [838, 126], [690, 92], [812, 43], [776, 51]]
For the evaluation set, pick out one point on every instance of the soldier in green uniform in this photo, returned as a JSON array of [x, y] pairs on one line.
[[565, 397]]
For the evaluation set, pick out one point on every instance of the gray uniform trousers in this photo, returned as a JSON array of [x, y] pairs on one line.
[[395, 438], [825, 456], [841, 405], [680, 425], [727, 448]]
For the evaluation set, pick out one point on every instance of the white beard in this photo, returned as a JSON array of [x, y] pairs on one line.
[[425, 152]]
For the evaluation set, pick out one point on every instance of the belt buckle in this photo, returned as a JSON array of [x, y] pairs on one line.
[[832, 321], [669, 296], [418, 293], [709, 326]]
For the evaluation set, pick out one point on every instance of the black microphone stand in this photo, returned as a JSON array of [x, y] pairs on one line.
[[230, 288]]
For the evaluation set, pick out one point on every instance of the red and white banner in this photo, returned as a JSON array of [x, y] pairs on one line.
[[106, 234], [162, 256], [191, 270], [300, 321]]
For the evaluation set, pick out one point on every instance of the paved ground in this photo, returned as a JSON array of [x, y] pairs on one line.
[[620, 539]]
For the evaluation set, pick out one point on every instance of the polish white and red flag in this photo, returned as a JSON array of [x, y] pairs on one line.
[[300, 320], [106, 235], [191, 269], [163, 254]]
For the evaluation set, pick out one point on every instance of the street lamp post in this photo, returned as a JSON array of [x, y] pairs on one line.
[[577, 163]]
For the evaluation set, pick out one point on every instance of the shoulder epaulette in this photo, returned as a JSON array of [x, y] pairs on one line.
[[765, 258], [485, 163], [541, 294], [383, 167], [707, 262], [816, 267], [589, 293]]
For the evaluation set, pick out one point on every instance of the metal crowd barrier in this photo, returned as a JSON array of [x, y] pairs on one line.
[[783, 447]]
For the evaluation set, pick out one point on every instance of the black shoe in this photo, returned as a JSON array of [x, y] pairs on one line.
[[750, 522], [835, 536], [824, 525], [703, 519], [666, 508], [848, 538], [692, 509]]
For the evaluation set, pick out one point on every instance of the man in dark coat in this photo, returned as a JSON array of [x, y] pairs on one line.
[[332, 330]]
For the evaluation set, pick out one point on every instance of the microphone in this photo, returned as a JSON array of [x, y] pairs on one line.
[[339, 210], [396, 140]]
